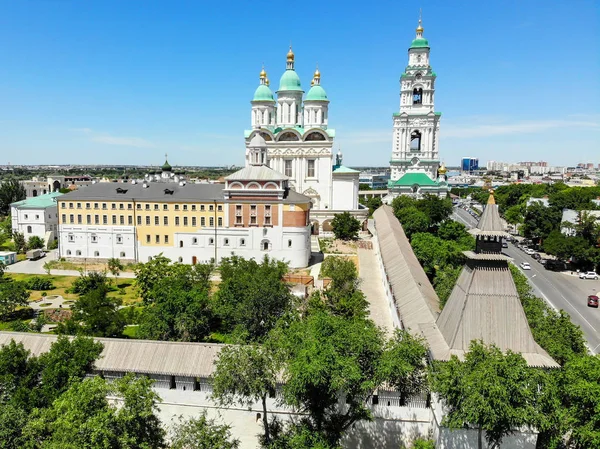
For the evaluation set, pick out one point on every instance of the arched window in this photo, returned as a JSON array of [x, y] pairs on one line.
[[181, 243], [415, 141], [314, 136], [68, 252], [180, 259], [417, 96], [122, 254], [34, 193], [28, 229], [265, 245], [194, 241], [78, 253], [288, 137], [242, 242], [96, 253]]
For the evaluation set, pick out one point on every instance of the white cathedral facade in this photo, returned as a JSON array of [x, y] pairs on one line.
[[300, 145], [415, 164]]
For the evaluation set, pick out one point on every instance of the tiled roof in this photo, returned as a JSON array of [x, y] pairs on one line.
[[38, 202], [484, 305], [155, 191], [136, 356]]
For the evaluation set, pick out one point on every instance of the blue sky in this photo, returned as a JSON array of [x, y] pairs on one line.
[[125, 81]]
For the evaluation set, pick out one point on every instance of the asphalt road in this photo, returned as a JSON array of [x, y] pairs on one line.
[[561, 290]]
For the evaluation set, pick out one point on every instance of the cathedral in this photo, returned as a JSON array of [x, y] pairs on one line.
[[415, 164], [300, 144]]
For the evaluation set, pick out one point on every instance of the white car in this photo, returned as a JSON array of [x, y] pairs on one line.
[[525, 266], [588, 275], [529, 251]]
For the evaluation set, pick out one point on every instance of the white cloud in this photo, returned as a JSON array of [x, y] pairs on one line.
[[467, 129], [114, 140]]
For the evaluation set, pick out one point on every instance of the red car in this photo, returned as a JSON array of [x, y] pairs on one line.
[[593, 301]]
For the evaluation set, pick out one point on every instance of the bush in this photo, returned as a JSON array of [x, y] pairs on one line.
[[44, 294], [38, 283], [53, 244], [345, 226], [25, 313], [421, 443], [35, 242]]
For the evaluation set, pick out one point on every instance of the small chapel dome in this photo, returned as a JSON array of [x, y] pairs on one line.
[[316, 93], [442, 170], [263, 93], [257, 142], [290, 81]]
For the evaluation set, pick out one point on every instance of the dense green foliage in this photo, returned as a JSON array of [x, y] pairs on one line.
[[12, 295], [95, 314], [251, 296], [35, 242], [87, 282], [10, 191], [438, 241], [372, 203], [345, 226], [489, 391], [39, 283], [115, 266], [343, 296], [202, 433]]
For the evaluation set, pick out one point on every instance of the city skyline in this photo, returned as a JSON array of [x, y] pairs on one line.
[[114, 84]]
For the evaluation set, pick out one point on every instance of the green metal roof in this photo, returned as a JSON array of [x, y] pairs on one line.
[[263, 93], [290, 81], [410, 179], [316, 93], [38, 202], [343, 169], [166, 166], [420, 42]]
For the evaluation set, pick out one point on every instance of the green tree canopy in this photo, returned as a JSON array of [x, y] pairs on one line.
[[201, 433], [35, 242], [413, 221], [96, 314], [12, 295], [490, 391], [115, 266], [252, 296], [345, 226], [11, 191], [344, 296]]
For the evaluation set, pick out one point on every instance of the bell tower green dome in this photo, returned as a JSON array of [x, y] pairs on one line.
[[290, 81], [316, 93]]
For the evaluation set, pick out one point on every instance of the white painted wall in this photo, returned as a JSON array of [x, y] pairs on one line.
[[97, 242], [345, 191], [36, 222]]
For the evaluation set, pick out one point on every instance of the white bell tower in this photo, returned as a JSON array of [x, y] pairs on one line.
[[416, 126]]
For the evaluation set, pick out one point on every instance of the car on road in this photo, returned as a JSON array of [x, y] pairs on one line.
[[555, 265], [588, 275], [504, 245], [525, 266], [593, 301], [536, 256], [530, 251]]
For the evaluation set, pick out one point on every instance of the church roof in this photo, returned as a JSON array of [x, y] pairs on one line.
[[420, 42], [290, 81], [263, 93], [341, 169], [256, 173], [316, 93], [484, 305], [410, 179], [166, 166]]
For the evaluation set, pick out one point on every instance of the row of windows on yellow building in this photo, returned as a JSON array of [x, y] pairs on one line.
[[140, 220], [142, 206]]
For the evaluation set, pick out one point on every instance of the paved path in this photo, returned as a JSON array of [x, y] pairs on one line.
[[372, 286], [560, 290]]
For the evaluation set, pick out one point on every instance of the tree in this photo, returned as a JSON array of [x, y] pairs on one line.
[[35, 242], [19, 241], [491, 391], [244, 375], [402, 364], [96, 314], [115, 266], [413, 220], [402, 202], [344, 296], [202, 433], [94, 280], [83, 417], [514, 214], [434, 253], [252, 296], [180, 311], [345, 226], [435, 208], [66, 362], [12, 295], [47, 267], [540, 221], [444, 282], [327, 357], [581, 395], [11, 191]]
